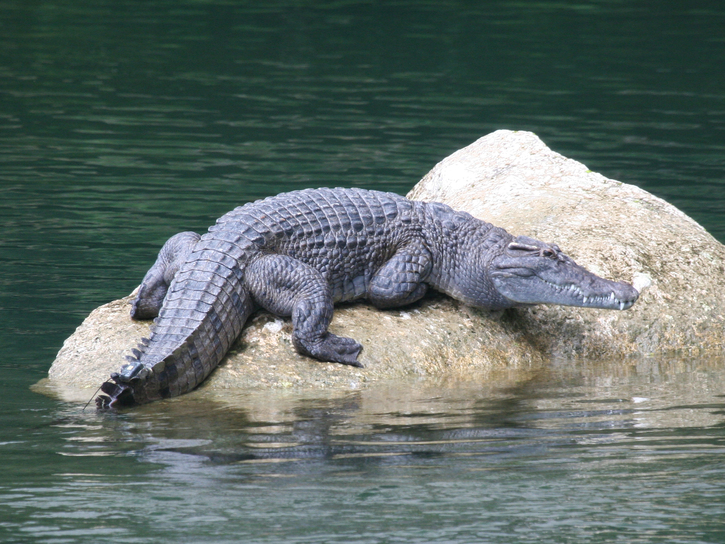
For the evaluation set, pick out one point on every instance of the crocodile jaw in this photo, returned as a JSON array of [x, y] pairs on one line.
[[535, 290]]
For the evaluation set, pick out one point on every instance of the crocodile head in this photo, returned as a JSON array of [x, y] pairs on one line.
[[532, 272]]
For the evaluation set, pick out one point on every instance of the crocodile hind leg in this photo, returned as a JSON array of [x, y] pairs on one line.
[[156, 282], [399, 281], [288, 287]]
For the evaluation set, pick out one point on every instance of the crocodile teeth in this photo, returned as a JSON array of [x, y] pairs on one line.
[[575, 291]]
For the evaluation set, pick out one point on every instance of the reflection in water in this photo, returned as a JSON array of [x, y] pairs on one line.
[[530, 455], [573, 451], [420, 419]]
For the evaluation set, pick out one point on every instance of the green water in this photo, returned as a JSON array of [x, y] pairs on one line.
[[122, 123]]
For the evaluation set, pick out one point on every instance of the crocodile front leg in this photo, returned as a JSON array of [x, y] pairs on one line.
[[399, 281], [288, 287]]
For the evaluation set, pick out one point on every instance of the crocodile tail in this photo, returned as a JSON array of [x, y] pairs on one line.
[[203, 313], [116, 394]]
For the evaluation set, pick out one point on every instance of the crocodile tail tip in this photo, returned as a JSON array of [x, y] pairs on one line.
[[116, 394], [103, 402]]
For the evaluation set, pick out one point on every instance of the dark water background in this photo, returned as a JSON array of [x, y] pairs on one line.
[[123, 122]]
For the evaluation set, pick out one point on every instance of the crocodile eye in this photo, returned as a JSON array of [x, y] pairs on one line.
[[550, 253], [514, 246]]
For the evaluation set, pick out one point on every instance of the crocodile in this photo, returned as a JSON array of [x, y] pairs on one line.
[[297, 254]]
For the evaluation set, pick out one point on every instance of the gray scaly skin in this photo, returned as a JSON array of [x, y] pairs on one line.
[[296, 254]]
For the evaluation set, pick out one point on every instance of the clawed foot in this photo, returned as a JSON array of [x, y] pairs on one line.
[[332, 348]]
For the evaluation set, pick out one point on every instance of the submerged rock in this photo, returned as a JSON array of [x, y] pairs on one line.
[[514, 181]]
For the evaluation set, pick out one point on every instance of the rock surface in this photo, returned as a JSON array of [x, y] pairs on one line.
[[514, 181], [616, 230]]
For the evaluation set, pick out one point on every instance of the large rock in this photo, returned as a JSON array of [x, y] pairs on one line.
[[514, 181], [616, 230]]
